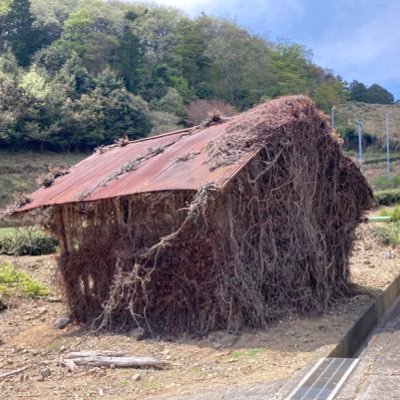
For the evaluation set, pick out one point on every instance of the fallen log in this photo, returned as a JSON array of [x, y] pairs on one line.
[[100, 359], [96, 353]]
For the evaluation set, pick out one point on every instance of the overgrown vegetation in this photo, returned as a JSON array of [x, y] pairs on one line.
[[221, 257], [18, 283], [25, 241], [388, 234], [78, 74], [387, 197]]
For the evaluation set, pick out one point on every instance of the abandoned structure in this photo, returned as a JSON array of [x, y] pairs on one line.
[[224, 225]]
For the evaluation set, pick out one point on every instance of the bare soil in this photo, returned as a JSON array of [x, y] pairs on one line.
[[27, 338]]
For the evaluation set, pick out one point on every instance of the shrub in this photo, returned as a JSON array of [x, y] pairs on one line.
[[350, 137], [387, 197], [26, 241], [13, 282]]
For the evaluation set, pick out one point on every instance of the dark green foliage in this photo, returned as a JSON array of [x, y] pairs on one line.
[[26, 241], [17, 32], [350, 138], [374, 94], [77, 74], [129, 59], [387, 197]]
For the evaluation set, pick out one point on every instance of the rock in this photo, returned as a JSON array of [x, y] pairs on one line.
[[136, 377], [387, 254], [61, 323], [45, 372], [137, 333]]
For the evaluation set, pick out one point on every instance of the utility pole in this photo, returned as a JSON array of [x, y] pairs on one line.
[[387, 147], [360, 154]]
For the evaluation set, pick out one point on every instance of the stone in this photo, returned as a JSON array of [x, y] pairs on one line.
[[136, 377], [45, 372], [61, 323]]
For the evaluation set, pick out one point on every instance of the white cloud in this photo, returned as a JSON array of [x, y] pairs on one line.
[[358, 39], [368, 50]]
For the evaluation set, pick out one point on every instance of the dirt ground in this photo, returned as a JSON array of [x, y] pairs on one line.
[[27, 338]]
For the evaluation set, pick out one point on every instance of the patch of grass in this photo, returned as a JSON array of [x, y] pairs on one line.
[[388, 234], [151, 385], [250, 353], [371, 115], [55, 346], [383, 182], [394, 213], [13, 282]]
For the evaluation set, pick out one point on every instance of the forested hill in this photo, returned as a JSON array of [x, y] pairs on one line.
[[78, 73]]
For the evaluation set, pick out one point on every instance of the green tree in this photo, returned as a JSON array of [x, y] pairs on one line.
[[358, 91], [18, 34], [129, 57], [378, 94]]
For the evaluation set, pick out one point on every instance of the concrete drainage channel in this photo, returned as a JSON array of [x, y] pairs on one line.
[[324, 379], [335, 368]]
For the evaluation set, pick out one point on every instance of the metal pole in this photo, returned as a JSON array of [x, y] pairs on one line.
[[387, 147], [360, 155]]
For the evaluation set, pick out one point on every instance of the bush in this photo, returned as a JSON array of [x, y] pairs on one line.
[[387, 197], [13, 282], [350, 137], [26, 241]]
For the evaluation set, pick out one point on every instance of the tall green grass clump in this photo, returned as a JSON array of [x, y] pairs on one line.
[[389, 234], [13, 282]]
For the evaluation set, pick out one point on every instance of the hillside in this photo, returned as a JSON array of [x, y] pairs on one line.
[[371, 115], [18, 171]]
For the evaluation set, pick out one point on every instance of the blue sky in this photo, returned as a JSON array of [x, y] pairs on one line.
[[357, 39]]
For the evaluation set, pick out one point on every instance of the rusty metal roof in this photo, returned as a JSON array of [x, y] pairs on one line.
[[107, 175]]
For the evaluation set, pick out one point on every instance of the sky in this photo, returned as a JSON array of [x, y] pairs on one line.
[[357, 39]]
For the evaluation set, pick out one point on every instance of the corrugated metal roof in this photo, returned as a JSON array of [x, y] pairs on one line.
[[101, 175]]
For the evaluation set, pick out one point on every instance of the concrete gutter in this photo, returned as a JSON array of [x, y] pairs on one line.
[[350, 343]]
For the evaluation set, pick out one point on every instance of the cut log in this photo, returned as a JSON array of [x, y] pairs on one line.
[[104, 359], [95, 353]]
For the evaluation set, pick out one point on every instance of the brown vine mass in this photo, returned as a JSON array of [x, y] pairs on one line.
[[275, 239]]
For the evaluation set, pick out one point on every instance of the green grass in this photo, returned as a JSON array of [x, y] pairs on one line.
[[4, 232], [14, 282], [383, 182], [388, 234], [19, 170], [371, 115], [250, 353]]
